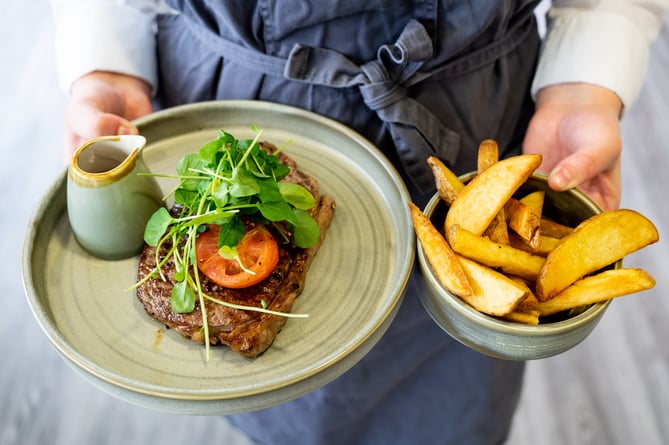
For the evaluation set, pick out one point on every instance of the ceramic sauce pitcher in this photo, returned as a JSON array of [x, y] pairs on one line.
[[108, 202]]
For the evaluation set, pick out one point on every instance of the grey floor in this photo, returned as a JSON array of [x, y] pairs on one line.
[[611, 389]]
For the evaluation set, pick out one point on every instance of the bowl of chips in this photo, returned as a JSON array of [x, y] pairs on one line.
[[516, 270]]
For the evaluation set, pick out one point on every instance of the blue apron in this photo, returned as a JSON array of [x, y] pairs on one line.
[[418, 79]]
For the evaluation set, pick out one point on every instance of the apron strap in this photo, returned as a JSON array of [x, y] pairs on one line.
[[416, 131]]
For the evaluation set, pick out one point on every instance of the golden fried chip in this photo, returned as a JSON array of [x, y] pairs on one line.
[[448, 184], [500, 256], [597, 288], [553, 229], [482, 198], [444, 262], [487, 156], [524, 221], [597, 242], [493, 292]]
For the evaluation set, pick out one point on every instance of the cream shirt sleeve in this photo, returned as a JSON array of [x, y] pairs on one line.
[[605, 42], [109, 35]]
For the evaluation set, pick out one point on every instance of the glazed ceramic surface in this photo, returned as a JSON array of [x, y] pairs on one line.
[[506, 339], [352, 293], [108, 200]]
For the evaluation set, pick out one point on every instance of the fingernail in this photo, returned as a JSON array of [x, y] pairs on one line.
[[562, 179], [127, 129]]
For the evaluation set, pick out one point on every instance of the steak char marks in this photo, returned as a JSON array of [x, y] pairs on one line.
[[247, 332]]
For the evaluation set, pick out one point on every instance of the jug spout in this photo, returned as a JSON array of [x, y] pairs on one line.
[[106, 159], [109, 197]]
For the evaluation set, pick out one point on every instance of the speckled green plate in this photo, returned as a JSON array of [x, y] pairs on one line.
[[352, 293]]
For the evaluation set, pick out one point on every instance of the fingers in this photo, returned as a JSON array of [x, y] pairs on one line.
[[102, 104], [601, 182], [85, 121]]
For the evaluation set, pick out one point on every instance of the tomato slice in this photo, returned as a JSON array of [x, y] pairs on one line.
[[258, 251]]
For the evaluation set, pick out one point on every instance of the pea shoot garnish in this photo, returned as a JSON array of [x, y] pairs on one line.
[[222, 185]]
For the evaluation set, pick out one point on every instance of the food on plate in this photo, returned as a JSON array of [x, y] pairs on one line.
[[603, 286], [493, 293], [448, 183], [525, 219], [595, 243], [545, 267], [488, 155], [226, 263], [508, 259], [485, 195], [445, 264]]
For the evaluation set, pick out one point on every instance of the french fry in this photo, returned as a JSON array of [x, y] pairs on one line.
[[448, 184], [482, 198], [524, 221], [535, 201], [530, 317], [553, 229], [546, 244], [530, 302], [526, 311], [597, 242], [444, 262], [487, 156], [603, 286], [524, 266], [510, 260], [493, 293]]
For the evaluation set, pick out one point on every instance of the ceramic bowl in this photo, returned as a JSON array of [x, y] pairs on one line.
[[506, 339]]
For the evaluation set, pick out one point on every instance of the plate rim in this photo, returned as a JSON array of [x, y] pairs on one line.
[[57, 190]]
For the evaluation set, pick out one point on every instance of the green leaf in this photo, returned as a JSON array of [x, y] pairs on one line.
[[208, 151], [221, 194], [243, 184], [182, 299], [306, 231], [277, 211], [187, 198], [157, 226], [296, 195], [184, 168], [231, 232]]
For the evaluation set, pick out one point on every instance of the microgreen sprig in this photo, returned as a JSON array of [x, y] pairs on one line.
[[224, 181]]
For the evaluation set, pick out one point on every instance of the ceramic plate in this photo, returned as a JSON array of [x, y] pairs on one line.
[[352, 293]]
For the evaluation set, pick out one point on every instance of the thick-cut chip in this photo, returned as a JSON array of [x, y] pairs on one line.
[[487, 156], [597, 288], [535, 201], [493, 293], [546, 244], [597, 242], [448, 184], [500, 256], [552, 229], [482, 198], [523, 220], [444, 261], [530, 317]]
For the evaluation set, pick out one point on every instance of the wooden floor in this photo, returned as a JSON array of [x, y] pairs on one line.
[[611, 389]]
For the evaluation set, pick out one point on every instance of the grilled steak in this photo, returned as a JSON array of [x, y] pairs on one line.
[[248, 332]]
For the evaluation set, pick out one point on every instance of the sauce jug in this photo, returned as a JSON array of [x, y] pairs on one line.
[[108, 201]]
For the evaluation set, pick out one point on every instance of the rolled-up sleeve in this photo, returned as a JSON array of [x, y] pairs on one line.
[[606, 43], [107, 35]]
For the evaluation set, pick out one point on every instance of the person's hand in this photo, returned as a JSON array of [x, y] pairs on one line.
[[103, 103], [576, 129]]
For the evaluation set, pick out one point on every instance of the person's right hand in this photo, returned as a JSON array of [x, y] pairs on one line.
[[103, 103]]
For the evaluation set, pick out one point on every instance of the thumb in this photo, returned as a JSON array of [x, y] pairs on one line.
[[86, 121]]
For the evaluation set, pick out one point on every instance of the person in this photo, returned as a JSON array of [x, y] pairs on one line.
[[416, 78]]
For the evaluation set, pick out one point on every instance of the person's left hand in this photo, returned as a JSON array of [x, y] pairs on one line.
[[576, 129]]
